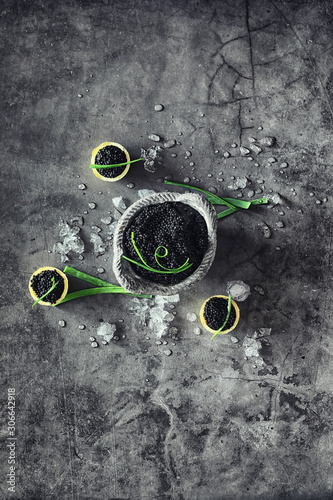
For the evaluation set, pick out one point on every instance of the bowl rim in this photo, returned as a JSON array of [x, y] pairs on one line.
[[124, 273], [49, 268], [204, 323], [124, 172]]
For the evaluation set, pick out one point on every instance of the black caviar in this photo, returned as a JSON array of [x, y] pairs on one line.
[[42, 283], [174, 225], [215, 313], [109, 155]]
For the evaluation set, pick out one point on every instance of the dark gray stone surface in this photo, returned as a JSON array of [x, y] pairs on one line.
[[220, 420]]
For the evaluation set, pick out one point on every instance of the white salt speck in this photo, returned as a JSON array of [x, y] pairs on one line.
[[92, 206], [82, 186]]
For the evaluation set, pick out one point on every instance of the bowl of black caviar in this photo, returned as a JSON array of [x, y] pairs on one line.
[[165, 243], [48, 286], [110, 154], [219, 314]]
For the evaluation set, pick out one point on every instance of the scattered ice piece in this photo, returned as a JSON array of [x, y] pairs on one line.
[[197, 330], [82, 186], [106, 330], [81, 327], [240, 183], [92, 206], [275, 198], [233, 145], [167, 352], [262, 332], [92, 339], [100, 270], [284, 164], [105, 342], [252, 139], [94, 344], [96, 229], [268, 141], [318, 202], [71, 241], [255, 149], [187, 180], [259, 289], [280, 224], [145, 192], [188, 154], [266, 231], [158, 342], [238, 290], [252, 348], [107, 220], [99, 245], [78, 221], [234, 340], [250, 193], [170, 144], [244, 151], [226, 154], [154, 137], [62, 323], [271, 160], [119, 203], [212, 189], [112, 227], [191, 316], [150, 156], [116, 337], [159, 107], [192, 163], [153, 313], [130, 185]]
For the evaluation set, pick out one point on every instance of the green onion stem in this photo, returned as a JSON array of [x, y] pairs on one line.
[[144, 265], [54, 284], [97, 291], [220, 330], [114, 165], [233, 203]]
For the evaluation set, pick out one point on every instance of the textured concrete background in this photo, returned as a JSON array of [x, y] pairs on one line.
[[220, 420]]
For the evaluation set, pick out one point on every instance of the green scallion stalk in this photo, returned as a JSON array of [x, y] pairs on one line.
[[144, 265], [220, 330], [233, 203], [114, 165], [102, 286], [54, 284], [97, 291]]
